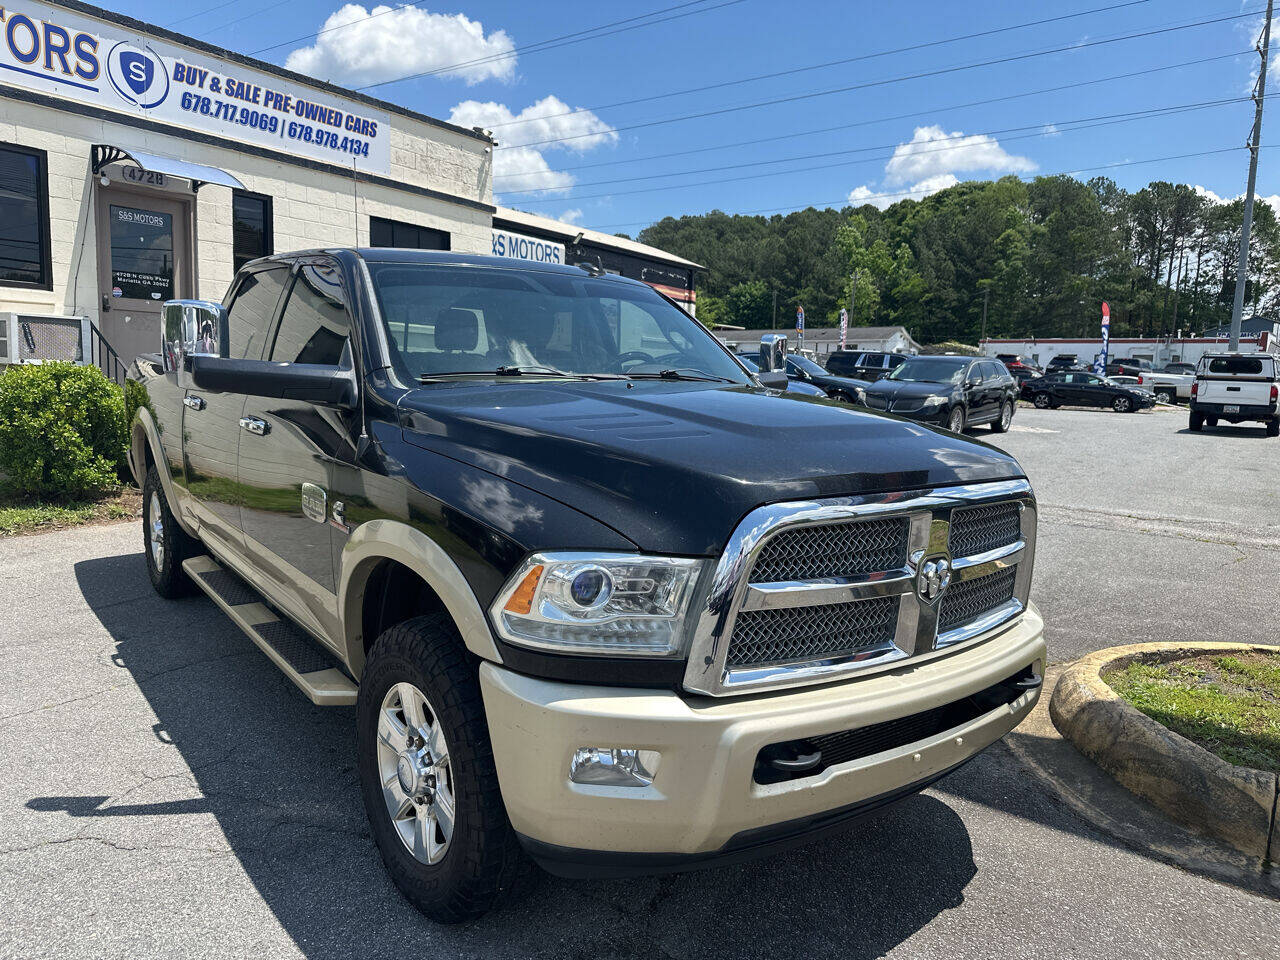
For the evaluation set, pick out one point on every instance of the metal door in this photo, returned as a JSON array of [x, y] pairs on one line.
[[144, 259]]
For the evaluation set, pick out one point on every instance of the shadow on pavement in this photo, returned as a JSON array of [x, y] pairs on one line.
[[278, 775]]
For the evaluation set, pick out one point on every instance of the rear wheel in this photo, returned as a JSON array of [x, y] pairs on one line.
[[428, 777], [1196, 423], [1167, 396], [1001, 423], [165, 544], [1121, 404], [955, 423], [1042, 401], [1211, 421], [1273, 428]]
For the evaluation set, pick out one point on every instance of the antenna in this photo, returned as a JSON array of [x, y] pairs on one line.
[[355, 206]]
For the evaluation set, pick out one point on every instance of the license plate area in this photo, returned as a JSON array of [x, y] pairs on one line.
[[1231, 408]]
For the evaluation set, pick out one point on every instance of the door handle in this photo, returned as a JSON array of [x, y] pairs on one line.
[[254, 425], [195, 403]]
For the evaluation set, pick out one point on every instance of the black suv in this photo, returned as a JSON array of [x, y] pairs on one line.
[[955, 392], [599, 599], [863, 366]]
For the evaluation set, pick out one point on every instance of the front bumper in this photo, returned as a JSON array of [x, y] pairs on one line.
[[704, 803]]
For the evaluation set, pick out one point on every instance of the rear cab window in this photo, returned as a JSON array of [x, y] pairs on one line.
[[1239, 366]]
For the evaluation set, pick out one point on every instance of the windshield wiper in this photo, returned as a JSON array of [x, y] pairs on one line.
[[512, 370], [680, 374]]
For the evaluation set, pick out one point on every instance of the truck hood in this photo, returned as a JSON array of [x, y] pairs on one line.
[[674, 466]]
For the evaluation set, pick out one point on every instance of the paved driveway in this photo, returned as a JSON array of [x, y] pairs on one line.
[[165, 792]]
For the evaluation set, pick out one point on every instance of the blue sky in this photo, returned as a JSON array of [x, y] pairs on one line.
[[894, 139]]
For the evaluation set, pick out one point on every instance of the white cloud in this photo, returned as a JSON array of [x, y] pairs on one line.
[[521, 164], [383, 43], [932, 151], [1212, 197], [573, 217], [917, 191], [1051, 130], [1208, 194], [864, 194]]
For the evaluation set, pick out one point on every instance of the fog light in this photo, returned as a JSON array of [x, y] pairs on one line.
[[613, 766]]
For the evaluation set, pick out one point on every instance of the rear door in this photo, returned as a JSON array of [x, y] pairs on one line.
[[289, 449], [211, 418]]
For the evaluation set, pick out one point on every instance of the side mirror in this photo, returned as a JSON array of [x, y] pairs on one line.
[[192, 328], [309, 382], [773, 352], [773, 379]]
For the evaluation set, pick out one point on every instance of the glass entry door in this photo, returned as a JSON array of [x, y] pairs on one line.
[[144, 260]]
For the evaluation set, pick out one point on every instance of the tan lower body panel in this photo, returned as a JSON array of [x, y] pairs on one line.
[[704, 791], [326, 687]]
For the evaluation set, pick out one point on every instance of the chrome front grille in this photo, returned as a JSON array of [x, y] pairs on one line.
[[813, 590], [833, 550], [976, 530], [801, 633], [970, 599]]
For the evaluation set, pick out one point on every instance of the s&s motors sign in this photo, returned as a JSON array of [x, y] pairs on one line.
[[83, 60], [519, 247]]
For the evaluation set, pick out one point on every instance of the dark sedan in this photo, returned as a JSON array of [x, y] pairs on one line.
[[1081, 389], [955, 392], [805, 370]]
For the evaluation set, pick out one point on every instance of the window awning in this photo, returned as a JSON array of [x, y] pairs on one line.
[[197, 173]]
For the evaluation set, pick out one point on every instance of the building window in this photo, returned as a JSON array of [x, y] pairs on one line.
[[251, 235], [24, 218], [393, 233]]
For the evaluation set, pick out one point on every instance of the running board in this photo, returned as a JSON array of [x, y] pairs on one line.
[[301, 658]]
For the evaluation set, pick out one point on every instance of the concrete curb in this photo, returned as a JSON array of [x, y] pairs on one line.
[[1192, 786]]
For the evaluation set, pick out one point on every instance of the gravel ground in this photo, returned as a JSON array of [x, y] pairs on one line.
[[165, 792]]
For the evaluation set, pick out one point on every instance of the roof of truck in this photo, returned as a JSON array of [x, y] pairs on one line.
[[450, 258]]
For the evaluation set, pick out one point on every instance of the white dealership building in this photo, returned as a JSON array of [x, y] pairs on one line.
[[138, 165]]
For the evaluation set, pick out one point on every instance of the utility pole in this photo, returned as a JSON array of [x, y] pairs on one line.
[[853, 296], [1242, 267], [773, 324], [986, 295]]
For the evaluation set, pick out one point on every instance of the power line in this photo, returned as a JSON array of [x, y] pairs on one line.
[[862, 201], [1073, 126], [320, 33], [594, 33], [201, 13], [891, 80], [832, 63], [248, 16], [887, 119]]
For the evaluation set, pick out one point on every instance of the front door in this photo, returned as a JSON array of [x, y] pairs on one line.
[[144, 259]]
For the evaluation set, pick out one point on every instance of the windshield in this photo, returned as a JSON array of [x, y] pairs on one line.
[[443, 320], [807, 365], [929, 370]]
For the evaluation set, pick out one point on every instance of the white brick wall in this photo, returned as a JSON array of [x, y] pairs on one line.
[[311, 209]]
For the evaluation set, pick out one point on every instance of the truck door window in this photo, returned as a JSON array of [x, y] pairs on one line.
[[314, 326], [251, 310]]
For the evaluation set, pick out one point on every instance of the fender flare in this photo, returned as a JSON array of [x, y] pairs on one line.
[[146, 435], [378, 540]]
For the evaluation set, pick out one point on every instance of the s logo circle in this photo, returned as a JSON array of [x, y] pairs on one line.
[[138, 74]]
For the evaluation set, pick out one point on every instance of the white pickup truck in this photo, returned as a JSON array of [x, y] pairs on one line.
[[1168, 387], [1236, 387]]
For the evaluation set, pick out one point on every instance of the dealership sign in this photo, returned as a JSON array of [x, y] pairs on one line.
[[519, 247], [85, 61]]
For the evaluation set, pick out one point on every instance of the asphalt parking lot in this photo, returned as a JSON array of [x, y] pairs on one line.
[[164, 791]]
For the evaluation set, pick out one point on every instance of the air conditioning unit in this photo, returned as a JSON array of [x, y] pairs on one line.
[[39, 338]]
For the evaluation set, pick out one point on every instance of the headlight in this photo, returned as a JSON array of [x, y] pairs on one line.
[[934, 401], [604, 604]]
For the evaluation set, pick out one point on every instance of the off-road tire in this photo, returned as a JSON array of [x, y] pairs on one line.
[[1042, 401], [167, 575], [1210, 421], [1273, 428], [1000, 424], [484, 865], [1122, 405], [956, 420], [1196, 423]]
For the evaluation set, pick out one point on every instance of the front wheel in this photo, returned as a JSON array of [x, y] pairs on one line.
[[1210, 421], [1001, 423], [955, 423], [165, 544], [1121, 404], [1042, 401], [428, 776]]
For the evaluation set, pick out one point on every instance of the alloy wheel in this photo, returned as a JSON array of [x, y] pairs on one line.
[[957, 420], [416, 773], [1006, 416], [1042, 401], [155, 530]]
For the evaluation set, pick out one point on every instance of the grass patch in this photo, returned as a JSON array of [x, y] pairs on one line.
[[22, 514], [1230, 705]]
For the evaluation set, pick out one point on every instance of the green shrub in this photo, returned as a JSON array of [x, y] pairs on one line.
[[62, 429]]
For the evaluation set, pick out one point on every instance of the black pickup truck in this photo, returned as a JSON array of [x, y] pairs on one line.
[[602, 600]]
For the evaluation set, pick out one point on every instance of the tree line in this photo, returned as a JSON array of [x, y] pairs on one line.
[[1044, 254]]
